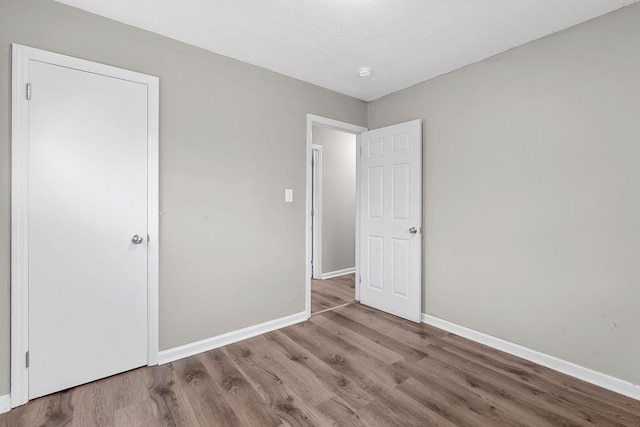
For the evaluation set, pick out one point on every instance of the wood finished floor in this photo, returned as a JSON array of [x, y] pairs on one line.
[[352, 366], [331, 293]]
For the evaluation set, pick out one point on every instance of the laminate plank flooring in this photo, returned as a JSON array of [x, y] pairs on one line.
[[331, 293], [351, 366]]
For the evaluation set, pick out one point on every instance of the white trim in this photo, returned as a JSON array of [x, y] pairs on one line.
[[602, 380], [153, 223], [337, 273], [5, 403], [358, 157], [316, 220], [343, 127], [166, 356], [19, 229], [21, 57]]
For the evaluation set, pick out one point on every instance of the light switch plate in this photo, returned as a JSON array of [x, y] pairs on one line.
[[288, 195]]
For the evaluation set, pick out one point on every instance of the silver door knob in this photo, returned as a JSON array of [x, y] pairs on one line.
[[137, 239], [413, 230]]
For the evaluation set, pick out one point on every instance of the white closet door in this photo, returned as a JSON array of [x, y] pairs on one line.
[[87, 199]]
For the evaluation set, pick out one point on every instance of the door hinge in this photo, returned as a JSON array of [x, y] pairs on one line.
[[26, 357], [361, 150], [311, 212], [312, 162], [28, 91], [359, 279]]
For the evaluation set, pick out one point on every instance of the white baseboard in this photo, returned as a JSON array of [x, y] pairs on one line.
[[602, 380], [166, 356], [337, 273], [5, 403]]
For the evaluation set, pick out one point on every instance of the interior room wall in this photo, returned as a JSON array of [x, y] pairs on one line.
[[531, 200], [232, 138], [338, 198]]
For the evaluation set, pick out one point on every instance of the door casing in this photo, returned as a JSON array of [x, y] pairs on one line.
[[316, 208], [343, 127], [21, 57]]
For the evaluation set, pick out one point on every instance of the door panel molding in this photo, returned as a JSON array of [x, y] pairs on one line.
[[21, 58], [343, 127]]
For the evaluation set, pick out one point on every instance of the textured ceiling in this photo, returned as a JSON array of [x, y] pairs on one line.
[[325, 41]]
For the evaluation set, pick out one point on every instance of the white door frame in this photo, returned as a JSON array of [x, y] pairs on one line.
[[21, 57], [312, 119], [316, 206]]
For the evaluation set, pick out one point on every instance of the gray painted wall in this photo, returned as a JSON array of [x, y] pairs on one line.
[[338, 198], [232, 253], [531, 201]]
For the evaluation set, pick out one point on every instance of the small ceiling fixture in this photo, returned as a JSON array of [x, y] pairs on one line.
[[364, 72]]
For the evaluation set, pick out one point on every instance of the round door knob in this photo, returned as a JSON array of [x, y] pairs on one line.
[[413, 230], [137, 239]]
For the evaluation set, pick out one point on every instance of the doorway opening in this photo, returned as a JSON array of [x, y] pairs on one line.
[[333, 208]]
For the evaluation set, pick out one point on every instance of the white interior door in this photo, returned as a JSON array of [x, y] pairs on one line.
[[87, 198], [391, 219]]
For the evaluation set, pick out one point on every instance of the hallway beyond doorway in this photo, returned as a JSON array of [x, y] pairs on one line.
[[332, 293]]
